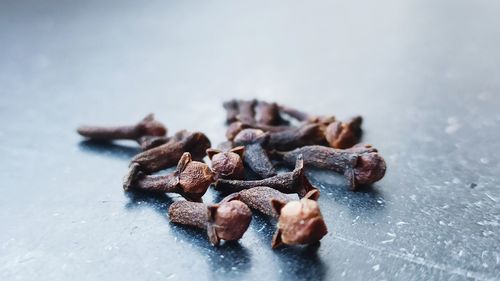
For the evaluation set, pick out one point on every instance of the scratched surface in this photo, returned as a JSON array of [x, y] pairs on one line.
[[424, 74]]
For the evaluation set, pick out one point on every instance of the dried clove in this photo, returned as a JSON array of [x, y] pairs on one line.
[[227, 220], [255, 156], [309, 134], [168, 154], [289, 182], [234, 128], [190, 179], [147, 127], [361, 164], [269, 114], [227, 164], [231, 108], [299, 222], [344, 134], [246, 111], [305, 117], [259, 198]]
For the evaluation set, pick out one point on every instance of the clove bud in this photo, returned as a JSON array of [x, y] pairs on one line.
[[227, 220], [309, 134], [190, 179], [255, 156], [361, 164], [147, 127], [246, 111], [269, 114], [168, 154], [289, 182], [228, 164], [299, 222], [344, 134], [305, 117]]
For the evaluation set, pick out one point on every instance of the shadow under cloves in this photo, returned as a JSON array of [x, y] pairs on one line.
[[367, 199], [158, 202], [297, 262], [229, 260], [109, 149]]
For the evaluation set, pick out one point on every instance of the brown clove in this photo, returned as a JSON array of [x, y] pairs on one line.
[[309, 134], [234, 128], [259, 198], [361, 164], [299, 222], [246, 111], [269, 114], [255, 156], [168, 154], [289, 182], [190, 179], [231, 108], [227, 220], [344, 134], [148, 126], [227, 164], [305, 117]]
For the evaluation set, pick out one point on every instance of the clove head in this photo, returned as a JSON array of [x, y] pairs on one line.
[[197, 143], [300, 222], [151, 127], [370, 167], [249, 136], [344, 134], [228, 164], [194, 177], [234, 128], [228, 220]]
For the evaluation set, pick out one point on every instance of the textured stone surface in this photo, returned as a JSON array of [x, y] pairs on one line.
[[424, 75]]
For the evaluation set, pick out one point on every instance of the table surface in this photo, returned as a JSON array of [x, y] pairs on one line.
[[424, 74]]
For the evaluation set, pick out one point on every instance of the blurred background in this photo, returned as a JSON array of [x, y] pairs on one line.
[[423, 74]]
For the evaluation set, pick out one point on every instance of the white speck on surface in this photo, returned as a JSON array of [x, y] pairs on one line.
[[456, 180], [376, 267], [413, 197], [391, 234], [262, 228], [401, 223], [492, 223], [491, 197], [387, 241], [488, 233], [484, 160], [453, 125]]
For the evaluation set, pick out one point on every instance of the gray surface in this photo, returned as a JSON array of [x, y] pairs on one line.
[[424, 74]]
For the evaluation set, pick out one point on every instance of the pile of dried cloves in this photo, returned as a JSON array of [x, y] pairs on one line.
[[260, 135]]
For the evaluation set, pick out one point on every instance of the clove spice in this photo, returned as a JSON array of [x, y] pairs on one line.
[[361, 164], [269, 114], [289, 182], [344, 134], [147, 128], [305, 117], [299, 222], [190, 179], [227, 164], [227, 220], [169, 153], [255, 156], [309, 134]]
